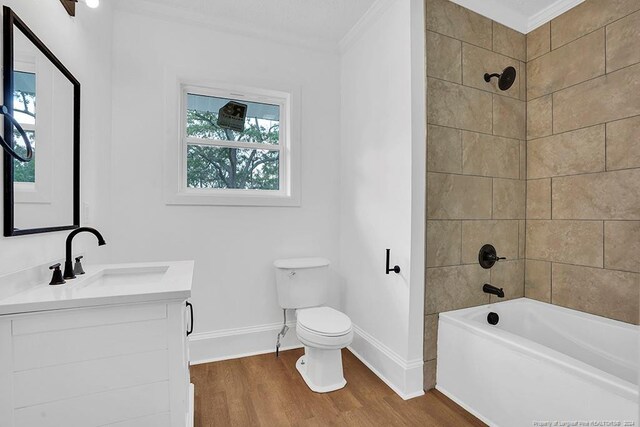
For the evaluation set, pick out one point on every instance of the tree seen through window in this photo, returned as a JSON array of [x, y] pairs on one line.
[[219, 164]]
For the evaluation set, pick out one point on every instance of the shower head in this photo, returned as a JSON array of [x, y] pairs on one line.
[[505, 80]]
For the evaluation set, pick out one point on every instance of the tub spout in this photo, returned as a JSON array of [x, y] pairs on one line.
[[490, 289]]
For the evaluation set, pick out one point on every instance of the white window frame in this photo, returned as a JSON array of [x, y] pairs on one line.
[[40, 191], [288, 192]]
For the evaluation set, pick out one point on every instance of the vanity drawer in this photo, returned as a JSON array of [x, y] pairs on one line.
[[86, 317]]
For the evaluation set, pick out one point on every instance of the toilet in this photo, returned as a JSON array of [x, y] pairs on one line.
[[302, 284]]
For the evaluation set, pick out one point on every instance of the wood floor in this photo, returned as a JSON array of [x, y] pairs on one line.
[[268, 391]]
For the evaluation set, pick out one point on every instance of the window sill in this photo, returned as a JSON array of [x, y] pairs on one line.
[[208, 199]]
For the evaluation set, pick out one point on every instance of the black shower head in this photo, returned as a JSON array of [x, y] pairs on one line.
[[505, 80]]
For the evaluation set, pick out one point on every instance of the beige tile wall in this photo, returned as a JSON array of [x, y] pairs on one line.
[[549, 169], [583, 160], [476, 151]]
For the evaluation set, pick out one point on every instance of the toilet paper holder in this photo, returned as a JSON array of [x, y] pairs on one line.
[[395, 269]]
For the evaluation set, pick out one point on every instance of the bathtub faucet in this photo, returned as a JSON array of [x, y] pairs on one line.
[[490, 289]]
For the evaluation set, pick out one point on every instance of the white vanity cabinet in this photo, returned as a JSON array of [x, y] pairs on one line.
[[114, 364]]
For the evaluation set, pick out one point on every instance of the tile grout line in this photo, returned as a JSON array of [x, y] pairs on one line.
[[583, 81], [491, 92], [571, 219], [461, 61], [577, 265], [471, 44], [564, 62], [550, 32], [538, 178], [535, 139], [470, 264], [576, 84], [478, 132], [606, 71], [523, 235], [552, 135], [590, 32]]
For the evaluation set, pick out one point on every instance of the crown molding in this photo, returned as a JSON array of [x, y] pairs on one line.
[[502, 12], [553, 11], [497, 10]]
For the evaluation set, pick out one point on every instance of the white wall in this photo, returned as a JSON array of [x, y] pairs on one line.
[[83, 44], [234, 292], [382, 189], [362, 147]]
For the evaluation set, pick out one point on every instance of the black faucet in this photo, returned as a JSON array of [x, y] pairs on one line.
[[68, 265], [490, 289]]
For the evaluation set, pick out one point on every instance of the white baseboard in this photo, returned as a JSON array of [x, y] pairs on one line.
[[403, 377], [241, 342]]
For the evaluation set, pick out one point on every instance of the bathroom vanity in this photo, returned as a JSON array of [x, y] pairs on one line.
[[107, 348]]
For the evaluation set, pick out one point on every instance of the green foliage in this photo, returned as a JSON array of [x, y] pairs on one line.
[[224, 167], [25, 103], [24, 171]]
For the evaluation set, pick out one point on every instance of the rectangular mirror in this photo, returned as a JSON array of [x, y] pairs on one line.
[[42, 195]]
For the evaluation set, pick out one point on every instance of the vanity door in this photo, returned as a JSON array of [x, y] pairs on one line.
[[124, 365]]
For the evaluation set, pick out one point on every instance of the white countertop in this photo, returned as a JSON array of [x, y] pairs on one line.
[[29, 290]]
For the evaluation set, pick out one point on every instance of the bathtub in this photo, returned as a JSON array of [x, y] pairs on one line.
[[541, 365]]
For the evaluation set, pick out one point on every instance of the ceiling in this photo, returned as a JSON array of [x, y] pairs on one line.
[[521, 15], [323, 23], [319, 23]]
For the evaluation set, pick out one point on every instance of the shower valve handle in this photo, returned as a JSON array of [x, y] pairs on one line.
[[487, 256]]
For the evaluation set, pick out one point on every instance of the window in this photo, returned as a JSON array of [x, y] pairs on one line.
[[33, 88], [24, 108], [232, 156]]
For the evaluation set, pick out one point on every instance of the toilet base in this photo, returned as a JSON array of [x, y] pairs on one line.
[[321, 369]]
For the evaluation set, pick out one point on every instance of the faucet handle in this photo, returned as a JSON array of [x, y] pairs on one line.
[[56, 279], [77, 269], [488, 256]]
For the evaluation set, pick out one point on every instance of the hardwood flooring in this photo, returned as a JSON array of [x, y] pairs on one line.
[[268, 391]]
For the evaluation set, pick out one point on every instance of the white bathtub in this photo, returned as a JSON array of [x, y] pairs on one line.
[[539, 365]]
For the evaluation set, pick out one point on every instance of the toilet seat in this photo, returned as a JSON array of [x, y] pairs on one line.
[[324, 327], [324, 321]]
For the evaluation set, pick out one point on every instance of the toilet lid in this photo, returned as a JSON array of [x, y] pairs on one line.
[[324, 321]]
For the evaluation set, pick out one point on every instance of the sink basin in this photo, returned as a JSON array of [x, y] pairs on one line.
[[29, 290], [127, 276]]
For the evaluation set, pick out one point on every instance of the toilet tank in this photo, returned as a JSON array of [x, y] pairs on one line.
[[302, 282]]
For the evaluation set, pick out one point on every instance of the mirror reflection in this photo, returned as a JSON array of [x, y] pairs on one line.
[[43, 100]]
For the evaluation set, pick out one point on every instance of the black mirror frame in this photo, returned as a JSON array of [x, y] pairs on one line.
[[10, 19]]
